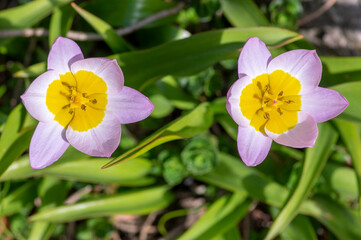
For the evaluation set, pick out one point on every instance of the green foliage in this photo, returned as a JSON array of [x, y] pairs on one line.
[[179, 170]]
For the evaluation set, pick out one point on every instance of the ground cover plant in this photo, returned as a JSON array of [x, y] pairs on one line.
[[210, 145]]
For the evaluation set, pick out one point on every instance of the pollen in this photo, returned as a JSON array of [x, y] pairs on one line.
[[77, 100], [272, 101]]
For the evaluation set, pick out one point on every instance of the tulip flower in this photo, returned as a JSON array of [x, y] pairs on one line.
[[81, 102], [278, 99]]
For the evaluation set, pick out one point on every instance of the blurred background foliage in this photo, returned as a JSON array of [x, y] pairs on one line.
[[176, 174]]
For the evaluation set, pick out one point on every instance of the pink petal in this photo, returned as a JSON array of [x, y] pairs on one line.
[[304, 65], [63, 53], [323, 104], [104, 68], [47, 145], [253, 146], [129, 105], [304, 134], [100, 141], [233, 101], [254, 58], [34, 98]]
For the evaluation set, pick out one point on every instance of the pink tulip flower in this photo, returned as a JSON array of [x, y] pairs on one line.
[[81, 102], [278, 99]]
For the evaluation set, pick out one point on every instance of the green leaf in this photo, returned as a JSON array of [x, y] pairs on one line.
[[337, 70], [52, 192], [231, 174], [315, 160], [12, 127], [194, 54], [60, 22], [243, 13], [31, 71], [351, 91], [162, 106], [141, 201], [338, 218], [19, 146], [129, 173], [220, 217], [27, 15], [350, 134], [19, 199], [127, 12], [114, 41], [299, 229], [198, 120], [172, 91], [342, 180]]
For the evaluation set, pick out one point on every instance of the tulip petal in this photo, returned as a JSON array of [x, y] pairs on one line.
[[234, 98], [63, 53], [100, 141], [34, 98], [129, 105], [47, 144], [254, 58], [253, 146], [106, 69], [323, 104], [304, 65], [304, 134]]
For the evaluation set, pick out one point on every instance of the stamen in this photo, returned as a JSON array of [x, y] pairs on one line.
[[289, 101], [66, 106], [65, 95], [279, 111], [266, 116], [267, 101], [93, 101], [83, 107], [280, 94]]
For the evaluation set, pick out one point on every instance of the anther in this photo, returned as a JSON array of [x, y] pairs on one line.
[[279, 111], [280, 94], [93, 101], [266, 116], [83, 107], [289, 101], [66, 106]]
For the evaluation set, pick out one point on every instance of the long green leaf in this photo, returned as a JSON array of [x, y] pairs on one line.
[[60, 22], [221, 216], [16, 149], [243, 13], [315, 160], [337, 70], [129, 173], [299, 229], [231, 174], [52, 193], [114, 41], [191, 55], [198, 120], [12, 128], [351, 91], [19, 199], [338, 218], [140, 202], [342, 180], [28, 14], [350, 134]]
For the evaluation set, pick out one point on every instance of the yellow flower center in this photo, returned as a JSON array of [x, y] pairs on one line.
[[272, 101], [78, 100]]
